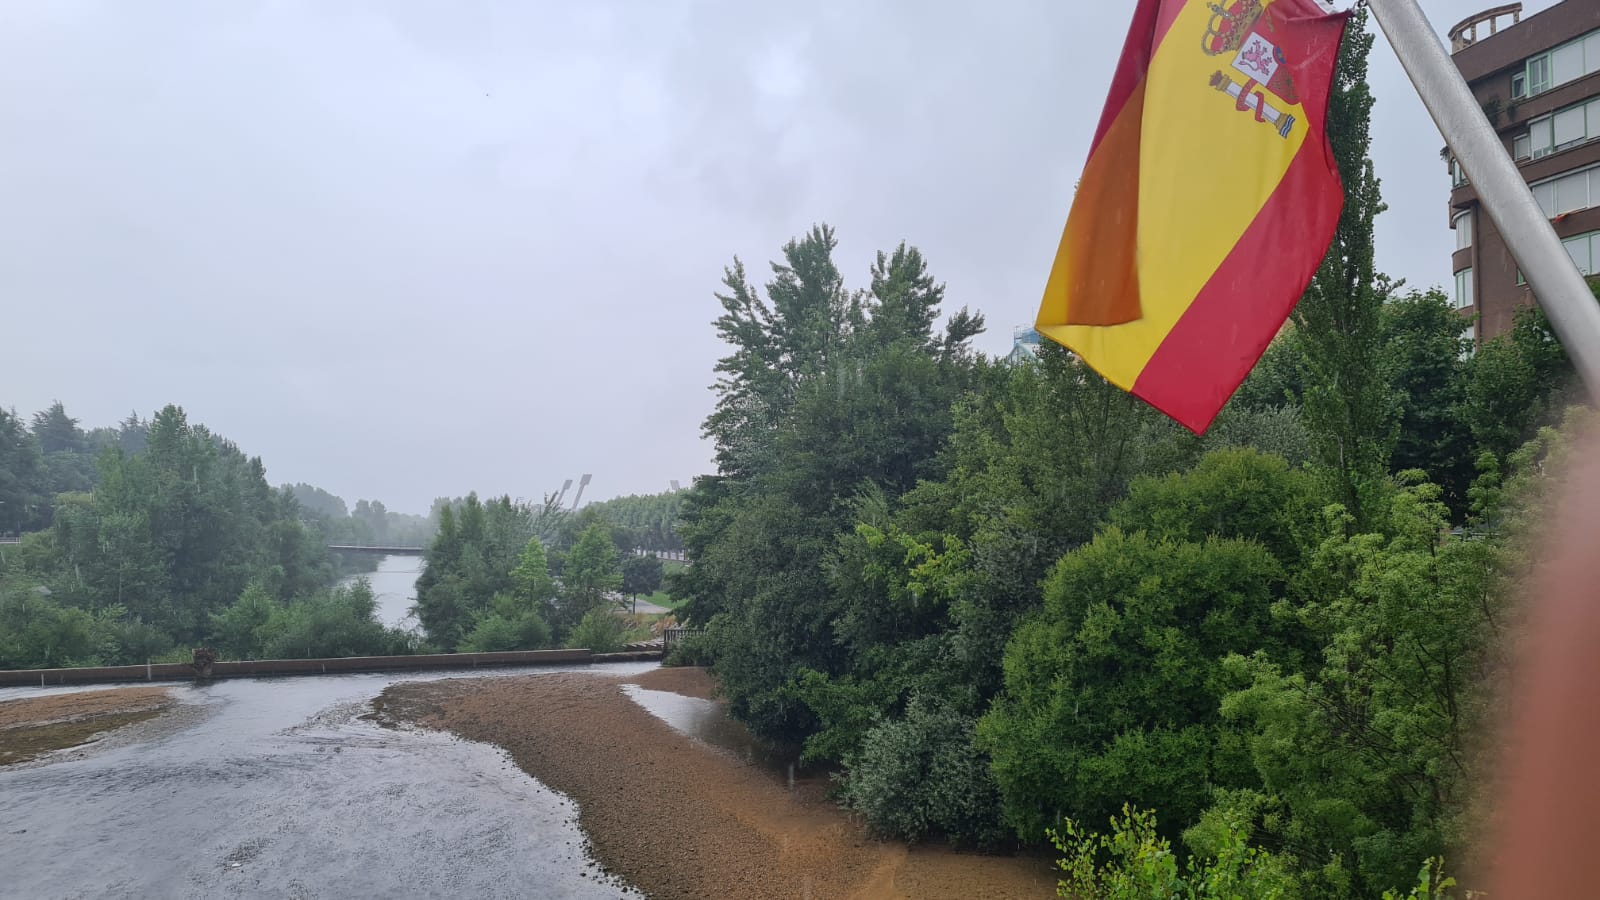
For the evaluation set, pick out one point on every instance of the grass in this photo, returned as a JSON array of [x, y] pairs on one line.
[[661, 598]]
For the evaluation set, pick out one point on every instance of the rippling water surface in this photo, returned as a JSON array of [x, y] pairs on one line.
[[277, 788]]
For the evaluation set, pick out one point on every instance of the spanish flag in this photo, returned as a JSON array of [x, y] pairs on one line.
[[1207, 203]]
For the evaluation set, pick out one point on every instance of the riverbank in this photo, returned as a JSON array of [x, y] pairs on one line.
[[31, 727], [682, 821]]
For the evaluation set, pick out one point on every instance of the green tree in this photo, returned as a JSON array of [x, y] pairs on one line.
[[58, 432], [1517, 383], [510, 623], [1112, 690], [652, 519], [1425, 354], [1350, 407], [828, 392], [1364, 755], [20, 474], [36, 631], [600, 630], [1239, 493], [641, 575], [239, 631], [532, 575], [589, 576]]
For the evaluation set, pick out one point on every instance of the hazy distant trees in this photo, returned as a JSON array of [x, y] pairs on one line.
[[21, 469], [650, 521], [370, 522]]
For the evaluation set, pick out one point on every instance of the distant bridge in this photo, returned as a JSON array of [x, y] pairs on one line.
[[378, 549], [674, 555]]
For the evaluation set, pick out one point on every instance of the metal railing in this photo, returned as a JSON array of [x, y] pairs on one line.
[[674, 555], [1465, 32], [674, 635], [363, 545]]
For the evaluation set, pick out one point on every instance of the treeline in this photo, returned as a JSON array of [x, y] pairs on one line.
[[368, 522], [51, 455], [505, 574], [650, 519], [173, 540], [1005, 601]]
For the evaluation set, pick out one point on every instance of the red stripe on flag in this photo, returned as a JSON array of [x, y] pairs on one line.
[[1220, 337]]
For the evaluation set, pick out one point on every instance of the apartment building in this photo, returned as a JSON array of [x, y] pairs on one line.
[[1538, 79]]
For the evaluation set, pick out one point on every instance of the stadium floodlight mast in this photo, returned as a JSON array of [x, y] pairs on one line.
[[582, 483]]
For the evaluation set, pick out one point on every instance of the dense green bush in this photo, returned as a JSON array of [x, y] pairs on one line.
[[508, 624], [1112, 690], [341, 621], [601, 631], [921, 776], [1133, 862]]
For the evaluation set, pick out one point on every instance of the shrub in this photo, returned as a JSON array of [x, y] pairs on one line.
[[690, 650], [495, 632], [1112, 689], [921, 776], [600, 631], [510, 623], [1133, 862]]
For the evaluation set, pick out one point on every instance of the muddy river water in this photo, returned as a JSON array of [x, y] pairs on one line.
[[278, 788]]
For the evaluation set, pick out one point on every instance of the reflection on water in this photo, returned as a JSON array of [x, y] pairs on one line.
[[394, 586], [707, 722]]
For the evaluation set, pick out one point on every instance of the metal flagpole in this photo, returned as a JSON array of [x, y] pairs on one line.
[[1556, 283]]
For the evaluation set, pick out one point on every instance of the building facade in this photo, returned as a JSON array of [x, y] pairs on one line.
[[1024, 345], [1538, 79]]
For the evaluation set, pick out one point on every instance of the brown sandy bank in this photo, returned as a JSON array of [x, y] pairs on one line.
[[680, 820], [33, 726]]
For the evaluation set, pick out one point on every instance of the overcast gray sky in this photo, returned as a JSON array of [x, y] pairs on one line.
[[403, 249]]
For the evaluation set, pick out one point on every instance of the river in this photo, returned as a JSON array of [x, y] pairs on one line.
[[394, 585], [278, 788]]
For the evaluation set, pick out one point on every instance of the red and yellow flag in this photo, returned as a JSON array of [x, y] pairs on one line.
[[1207, 203]]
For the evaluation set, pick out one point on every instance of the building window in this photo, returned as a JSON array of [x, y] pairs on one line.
[[1584, 250], [1569, 192], [1469, 340], [1562, 129], [1569, 127], [1458, 175], [1463, 288], [1463, 226], [1539, 74], [1521, 147], [1562, 64]]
